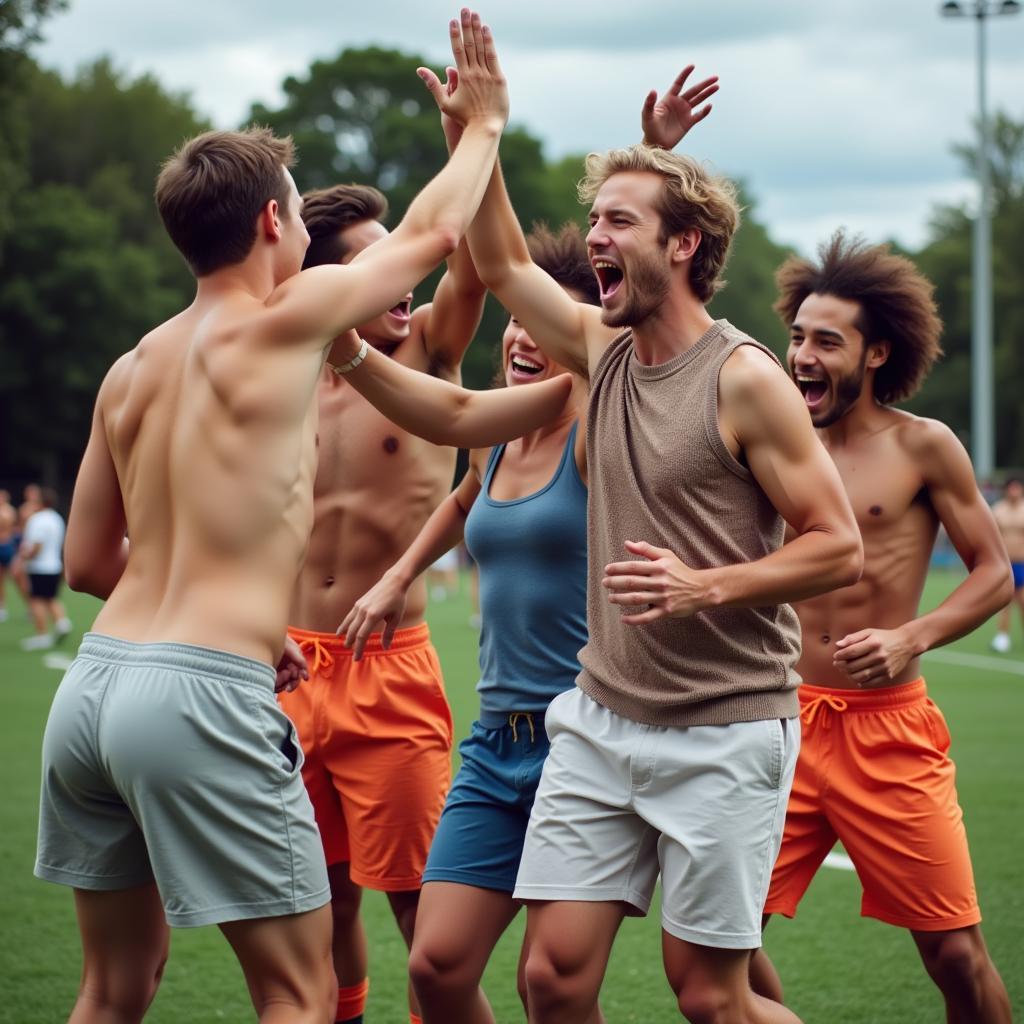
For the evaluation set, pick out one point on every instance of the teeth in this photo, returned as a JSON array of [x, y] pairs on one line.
[[604, 265], [526, 364], [808, 380]]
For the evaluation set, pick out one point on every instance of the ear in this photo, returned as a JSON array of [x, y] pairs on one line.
[[683, 246], [878, 354], [270, 221]]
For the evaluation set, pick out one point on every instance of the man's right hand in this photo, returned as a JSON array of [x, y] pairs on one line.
[[385, 601], [667, 120], [481, 95]]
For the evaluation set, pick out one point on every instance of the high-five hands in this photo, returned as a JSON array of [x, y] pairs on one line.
[[478, 92], [669, 588], [665, 121]]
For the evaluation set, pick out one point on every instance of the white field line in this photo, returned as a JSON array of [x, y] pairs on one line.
[[981, 661], [838, 860]]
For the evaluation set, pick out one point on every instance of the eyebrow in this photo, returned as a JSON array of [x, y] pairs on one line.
[[826, 332]]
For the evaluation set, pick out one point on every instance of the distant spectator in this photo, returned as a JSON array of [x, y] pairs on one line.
[[8, 546], [1009, 515], [41, 553]]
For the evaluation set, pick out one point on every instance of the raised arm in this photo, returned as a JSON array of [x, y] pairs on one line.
[[666, 120], [321, 302], [95, 546], [385, 601], [874, 657], [444, 413], [763, 415]]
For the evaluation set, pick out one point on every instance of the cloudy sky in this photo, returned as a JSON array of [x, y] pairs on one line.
[[833, 111]]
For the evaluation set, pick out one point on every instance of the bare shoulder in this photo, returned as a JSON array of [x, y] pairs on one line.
[[925, 440], [752, 375]]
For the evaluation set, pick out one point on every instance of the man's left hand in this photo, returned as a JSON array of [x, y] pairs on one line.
[[874, 657], [670, 588]]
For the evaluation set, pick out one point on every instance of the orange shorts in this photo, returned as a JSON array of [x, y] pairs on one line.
[[874, 773], [377, 739]]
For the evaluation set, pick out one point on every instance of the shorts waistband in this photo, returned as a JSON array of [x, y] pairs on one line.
[[231, 668], [851, 701], [408, 639]]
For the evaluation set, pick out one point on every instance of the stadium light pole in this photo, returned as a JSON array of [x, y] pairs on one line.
[[982, 390]]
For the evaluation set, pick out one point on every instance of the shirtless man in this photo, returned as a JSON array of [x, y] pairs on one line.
[[1009, 516], [698, 452], [863, 334], [377, 761], [177, 797], [8, 546]]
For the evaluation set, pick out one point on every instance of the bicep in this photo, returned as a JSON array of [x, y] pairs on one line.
[[451, 321], [96, 522]]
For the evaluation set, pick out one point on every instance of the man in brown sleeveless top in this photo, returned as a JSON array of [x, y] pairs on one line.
[[675, 753], [863, 334]]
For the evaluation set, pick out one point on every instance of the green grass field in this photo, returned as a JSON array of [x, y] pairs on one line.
[[837, 967]]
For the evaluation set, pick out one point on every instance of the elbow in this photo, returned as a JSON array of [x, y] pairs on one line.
[[445, 239], [86, 577], [849, 560], [1005, 589]]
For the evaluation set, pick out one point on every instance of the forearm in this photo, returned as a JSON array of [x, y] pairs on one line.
[[443, 413], [449, 202], [441, 532], [496, 240], [988, 588], [813, 563], [96, 576]]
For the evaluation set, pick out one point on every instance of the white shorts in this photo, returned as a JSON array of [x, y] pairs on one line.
[[620, 801]]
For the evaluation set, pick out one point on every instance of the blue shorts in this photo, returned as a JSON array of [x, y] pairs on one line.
[[479, 839], [1017, 568], [8, 550]]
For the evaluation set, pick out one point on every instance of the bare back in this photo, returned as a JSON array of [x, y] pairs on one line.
[[376, 485], [211, 429], [898, 524]]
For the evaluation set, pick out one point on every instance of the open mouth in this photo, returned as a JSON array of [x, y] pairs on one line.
[[523, 368], [814, 390], [401, 312], [609, 277]]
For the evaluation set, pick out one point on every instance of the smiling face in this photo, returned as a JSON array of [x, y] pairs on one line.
[[626, 250], [387, 330], [827, 356], [521, 360]]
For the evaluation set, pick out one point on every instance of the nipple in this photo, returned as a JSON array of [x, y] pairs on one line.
[[390, 445]]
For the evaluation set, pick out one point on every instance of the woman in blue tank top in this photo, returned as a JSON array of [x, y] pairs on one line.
[[522, 509]]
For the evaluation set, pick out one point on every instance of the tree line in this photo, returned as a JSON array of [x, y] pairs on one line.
[[87, 269]]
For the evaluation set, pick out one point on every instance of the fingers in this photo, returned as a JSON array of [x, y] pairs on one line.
[[680, 81], [701, 91], [390, 628], [635, 597], [853, 638], [456, 36], [641, 547], [626, 582], [700, 115], [433, 84], [451, 80], [649, 100], [490, 52], [855, 651], [639, 618], [630, 569]]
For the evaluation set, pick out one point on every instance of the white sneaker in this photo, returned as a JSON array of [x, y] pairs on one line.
[[475, 621], [61, 628], [1001, 643], [39, 642], [4, 614]]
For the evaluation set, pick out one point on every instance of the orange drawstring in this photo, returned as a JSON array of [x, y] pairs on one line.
[[322, 658], [810, 710]]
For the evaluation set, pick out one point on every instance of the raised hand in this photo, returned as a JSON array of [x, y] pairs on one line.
[[665, 121], [383, 602], [451, 128], [670, 588], [481, 94]]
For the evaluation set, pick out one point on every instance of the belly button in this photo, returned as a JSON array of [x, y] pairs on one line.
[[826, 639], [329, 582]]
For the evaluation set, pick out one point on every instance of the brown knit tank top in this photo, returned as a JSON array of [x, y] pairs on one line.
[[660, 472]]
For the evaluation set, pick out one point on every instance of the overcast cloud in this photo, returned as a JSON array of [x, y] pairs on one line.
[[837, 112]]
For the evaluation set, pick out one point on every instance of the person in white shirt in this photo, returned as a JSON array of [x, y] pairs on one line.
[[42, 548]]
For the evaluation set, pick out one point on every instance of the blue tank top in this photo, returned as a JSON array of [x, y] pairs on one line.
[[532, 556]]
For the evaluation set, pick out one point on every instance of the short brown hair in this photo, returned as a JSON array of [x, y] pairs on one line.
[[212, 189], [328, 211], [896, 305], [563, 256], [691, 197]]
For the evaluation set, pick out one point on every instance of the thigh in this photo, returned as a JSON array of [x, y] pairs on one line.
[[571, 940], [716, 858], [895, 807], [585, 840], [458, 926], [286, 959]]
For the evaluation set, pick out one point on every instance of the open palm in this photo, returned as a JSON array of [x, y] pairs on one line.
[[667, 119]]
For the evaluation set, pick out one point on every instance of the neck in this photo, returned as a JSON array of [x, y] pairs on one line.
[[253, 277], [864, 417], [562, 424], [679, 323]]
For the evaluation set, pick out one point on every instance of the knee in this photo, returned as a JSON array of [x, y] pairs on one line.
[[955, 959], [547, 983], [706, 1004], [431, 973], [127, 990], [345, 908]]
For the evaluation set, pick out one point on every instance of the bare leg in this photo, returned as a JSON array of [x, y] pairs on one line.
[[569, 944], [712, 986], [349, 942], [124, 949], [457, 928], [403, 906], [958, 962], [1018, 600], [287, 966], [764, 978], [37, 609]]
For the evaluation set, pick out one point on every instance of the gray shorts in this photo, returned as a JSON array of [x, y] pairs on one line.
[[173, 763], [620, 802]]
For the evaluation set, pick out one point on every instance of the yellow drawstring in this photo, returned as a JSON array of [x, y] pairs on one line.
[[513, 720]]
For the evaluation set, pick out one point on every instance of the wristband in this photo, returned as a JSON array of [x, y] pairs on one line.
[[354, 362]]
